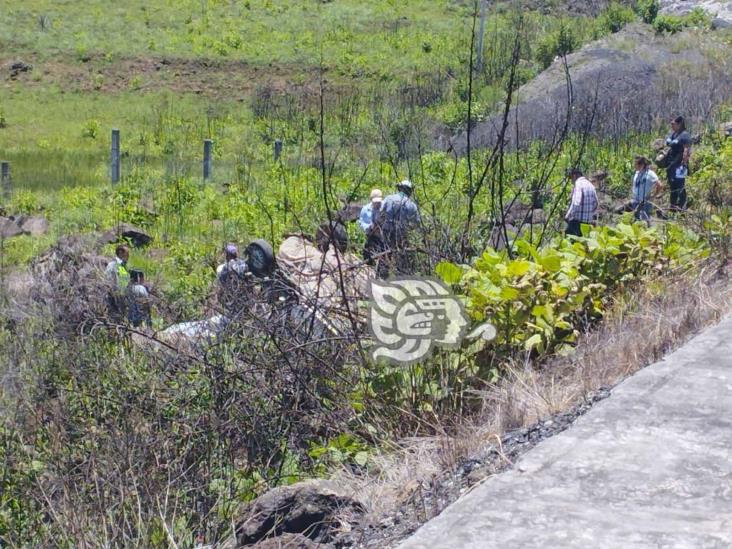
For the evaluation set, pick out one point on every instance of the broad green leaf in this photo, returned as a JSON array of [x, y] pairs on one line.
[[509, 294], [551, 261], [518, 267], [533, 341], [449, 272]]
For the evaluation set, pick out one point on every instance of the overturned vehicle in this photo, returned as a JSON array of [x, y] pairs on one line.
[[306, 291]]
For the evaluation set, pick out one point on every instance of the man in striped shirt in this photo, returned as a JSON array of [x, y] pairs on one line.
[[582, 203]]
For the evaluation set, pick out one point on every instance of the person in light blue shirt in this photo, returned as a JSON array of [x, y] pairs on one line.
[[645, 184], [366, 218]]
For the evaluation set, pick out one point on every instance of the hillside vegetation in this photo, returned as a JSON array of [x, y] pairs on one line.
[[113, 436]]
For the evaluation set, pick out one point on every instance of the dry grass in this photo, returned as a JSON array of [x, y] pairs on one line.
[[645, 325]]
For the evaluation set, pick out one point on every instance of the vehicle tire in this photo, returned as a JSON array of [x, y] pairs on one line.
[[260, 258]]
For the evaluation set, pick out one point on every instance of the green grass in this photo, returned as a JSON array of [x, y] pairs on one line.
[[375, 55], [373, 37], [343, 32]]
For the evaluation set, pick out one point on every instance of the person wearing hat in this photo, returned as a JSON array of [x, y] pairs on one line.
[[231, 265], [369, 211], [582, 203], [398, 211]]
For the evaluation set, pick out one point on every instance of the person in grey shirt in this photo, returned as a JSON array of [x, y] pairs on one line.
[[398, 213]]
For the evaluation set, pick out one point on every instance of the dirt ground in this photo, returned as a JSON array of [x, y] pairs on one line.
[[211, 78]]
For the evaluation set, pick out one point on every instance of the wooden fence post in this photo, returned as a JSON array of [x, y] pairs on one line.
[[5, 179], [114, 158], [277, 149], [207, 144]]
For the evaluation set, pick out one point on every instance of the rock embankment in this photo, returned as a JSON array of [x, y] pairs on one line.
[[13, 226], [627, 82], [721, 12]]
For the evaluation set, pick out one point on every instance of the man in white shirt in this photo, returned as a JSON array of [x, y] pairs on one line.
[[369, 211]]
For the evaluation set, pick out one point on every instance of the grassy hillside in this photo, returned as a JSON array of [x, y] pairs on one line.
[[169, 74], [107, 441]]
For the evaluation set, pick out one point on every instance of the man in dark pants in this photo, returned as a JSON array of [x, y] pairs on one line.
[[399, 214], [582, 203], [679, 142]]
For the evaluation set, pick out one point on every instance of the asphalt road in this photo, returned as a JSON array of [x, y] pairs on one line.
[[648, 467]]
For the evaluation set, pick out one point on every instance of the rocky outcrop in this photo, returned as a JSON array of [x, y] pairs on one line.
[[124, 231], [9, 228], [34, 226], [312, 510], [720, 11], [12, 226], [630, 81]]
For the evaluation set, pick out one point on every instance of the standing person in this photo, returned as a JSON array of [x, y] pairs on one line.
[[374, 244], [679, 142], [398, 214], [582, 203], [645, 185], [138, 300], [366, 217], [116, 269], [119, 277]]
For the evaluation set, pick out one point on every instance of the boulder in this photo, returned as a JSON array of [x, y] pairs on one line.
[[19, 66], [536, 216], [9, 228], [35, 226], [721, 10], [606, 95], [137, 237], [726, 129], [349, 212], [290, 541], [314, 508], [520, 215]]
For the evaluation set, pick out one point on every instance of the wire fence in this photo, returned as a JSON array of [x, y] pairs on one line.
[[50, 169]]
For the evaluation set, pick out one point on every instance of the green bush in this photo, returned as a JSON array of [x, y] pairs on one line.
[[647, 10], [538, 302], [615, 17], [562, 42], [91, 128], [672, 24]]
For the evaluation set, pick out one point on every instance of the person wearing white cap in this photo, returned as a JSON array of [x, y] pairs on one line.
[[398, 215], [399, 212], [366, 217]]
